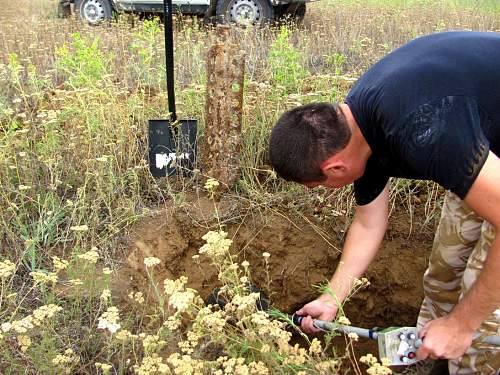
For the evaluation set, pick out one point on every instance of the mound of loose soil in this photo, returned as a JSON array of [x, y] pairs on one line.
[[302, 255]]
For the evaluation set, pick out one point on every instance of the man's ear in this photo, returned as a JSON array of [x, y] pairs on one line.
[[333, 166]]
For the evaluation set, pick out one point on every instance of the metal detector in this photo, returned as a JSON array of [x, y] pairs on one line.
[[172, 142], [398, 344]]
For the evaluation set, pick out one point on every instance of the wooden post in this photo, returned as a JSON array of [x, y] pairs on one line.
[[222, 142]]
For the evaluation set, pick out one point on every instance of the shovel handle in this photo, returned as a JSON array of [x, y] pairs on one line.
[[169, 57]]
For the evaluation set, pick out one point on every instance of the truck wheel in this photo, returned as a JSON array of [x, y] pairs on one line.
[[93, 11], [245, 12]]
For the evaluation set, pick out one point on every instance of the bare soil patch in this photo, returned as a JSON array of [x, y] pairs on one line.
[[302, 256]]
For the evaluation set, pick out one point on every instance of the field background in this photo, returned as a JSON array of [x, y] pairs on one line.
[[74, 106]]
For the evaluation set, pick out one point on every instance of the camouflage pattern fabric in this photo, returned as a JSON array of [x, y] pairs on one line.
[[460, 247]]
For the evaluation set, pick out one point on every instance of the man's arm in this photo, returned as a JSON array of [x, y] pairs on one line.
[[451, 336], [362, 243]]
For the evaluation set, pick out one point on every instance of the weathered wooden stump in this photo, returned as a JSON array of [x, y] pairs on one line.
[[222, 142]]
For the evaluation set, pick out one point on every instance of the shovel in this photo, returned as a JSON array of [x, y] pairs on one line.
[[172, 142]]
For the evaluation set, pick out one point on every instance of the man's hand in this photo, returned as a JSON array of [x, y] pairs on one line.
[[444, 338], [320, 308]]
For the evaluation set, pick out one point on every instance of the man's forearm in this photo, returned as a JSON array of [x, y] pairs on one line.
[[361, 245], [360, 248], [484, 296]]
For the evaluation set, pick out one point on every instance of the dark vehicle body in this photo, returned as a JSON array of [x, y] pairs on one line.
[[243, 12]]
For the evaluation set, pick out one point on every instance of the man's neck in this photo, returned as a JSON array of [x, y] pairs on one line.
[[357, 146]]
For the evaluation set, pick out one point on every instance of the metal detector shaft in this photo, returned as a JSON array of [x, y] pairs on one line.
[[329, 326], [372, 334]]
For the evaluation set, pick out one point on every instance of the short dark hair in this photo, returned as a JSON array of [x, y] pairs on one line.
[[306, 136]]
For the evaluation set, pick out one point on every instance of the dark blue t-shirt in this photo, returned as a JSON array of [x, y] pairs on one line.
[[430, 110]]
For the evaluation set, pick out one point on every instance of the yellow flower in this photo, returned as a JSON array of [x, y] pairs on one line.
[[44, 278], [104, 367], [124, 335], [152, 343], [353, 336], [315, 347], [217, 244], [327, 367], [137, 297], [152, 365], [90, 256], [181, 301], [66, 361], [7, 268], [211, 184], [266, 255], [151, 261], [105, 295], [59, 264], [258, 368], [6, 327], [45, 312], [344, 320], [378, 369], [109, 320], [107, 271], [172, 286], [173, 322], [245, 303], [24, 342], [23, 325]]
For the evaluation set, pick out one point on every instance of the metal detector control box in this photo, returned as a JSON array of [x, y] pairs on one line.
[[399, 345]]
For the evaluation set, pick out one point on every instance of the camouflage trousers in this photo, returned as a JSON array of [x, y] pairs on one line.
[[460, 247]]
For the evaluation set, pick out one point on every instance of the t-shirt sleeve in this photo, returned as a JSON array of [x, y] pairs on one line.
[[370, 185], [444, 141]]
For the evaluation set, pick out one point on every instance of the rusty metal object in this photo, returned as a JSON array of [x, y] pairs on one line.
[[222, 142]]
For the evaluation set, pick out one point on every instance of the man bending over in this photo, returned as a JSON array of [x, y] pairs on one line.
[[429, 110]]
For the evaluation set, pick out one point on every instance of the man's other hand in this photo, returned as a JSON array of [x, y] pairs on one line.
[[444, 338], [318, 309]]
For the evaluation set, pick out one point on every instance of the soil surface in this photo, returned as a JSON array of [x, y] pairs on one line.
[[302, 255]]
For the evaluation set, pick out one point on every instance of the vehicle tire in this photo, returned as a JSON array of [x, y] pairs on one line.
[[93, 11], [64, 9], [245, 12], [294, 12]]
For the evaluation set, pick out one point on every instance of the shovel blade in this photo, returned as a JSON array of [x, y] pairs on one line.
[[172, 150]]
